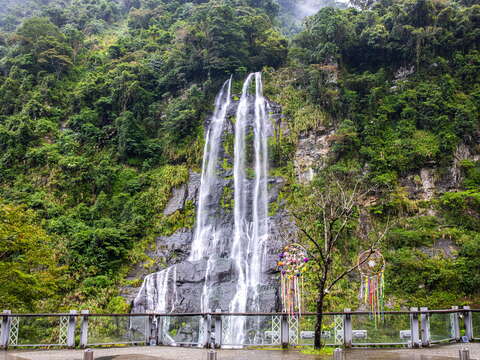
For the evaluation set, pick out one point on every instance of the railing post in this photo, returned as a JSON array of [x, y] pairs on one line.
[[88, 354], [347, 328], [160, 326], [414, 328], [284, 331], [455, 324], [72, 321], [84, 329], [207, 328], [150, 331], [468, 321], [338, 354], [425, 327], [464, 354], [5, 334], [218, 329]]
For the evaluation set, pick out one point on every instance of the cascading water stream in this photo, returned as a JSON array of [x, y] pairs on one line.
[[260, 195], [241, 225], [204, 231], [250, 234], [155, 286], [211, 245], [205, 241]]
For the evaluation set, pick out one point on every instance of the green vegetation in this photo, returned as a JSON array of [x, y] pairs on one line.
[[324, 351], [101, 113], [102, 106], [28, 260], [399, 84]]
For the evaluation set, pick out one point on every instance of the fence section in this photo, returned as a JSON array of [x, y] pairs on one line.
[[109, 330], [37, 330], [414, 328], [384, 329], [260, 330], [182, 330], [441, 327], [476, 324]]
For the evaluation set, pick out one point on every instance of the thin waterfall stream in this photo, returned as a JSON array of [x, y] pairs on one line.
[[251, 234]]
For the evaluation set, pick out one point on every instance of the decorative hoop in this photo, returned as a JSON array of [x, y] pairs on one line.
[[371, 263], [292, 260]]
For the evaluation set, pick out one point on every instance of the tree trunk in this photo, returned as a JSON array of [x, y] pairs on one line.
[[321, 296], [318, 325]]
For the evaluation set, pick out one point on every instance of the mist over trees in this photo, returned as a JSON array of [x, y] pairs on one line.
[[292, 13]]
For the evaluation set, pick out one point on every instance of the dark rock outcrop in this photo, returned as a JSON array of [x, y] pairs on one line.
[[189, 277]]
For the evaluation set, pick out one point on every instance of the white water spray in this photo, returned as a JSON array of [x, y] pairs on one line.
[[155, 291], [260, 195], [204, 231], [250, 235]]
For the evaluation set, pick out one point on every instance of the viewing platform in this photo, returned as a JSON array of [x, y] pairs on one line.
[[416, 328], [443, 352]]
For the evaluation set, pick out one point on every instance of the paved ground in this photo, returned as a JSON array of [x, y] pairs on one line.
[[169, 353], [163, 353]]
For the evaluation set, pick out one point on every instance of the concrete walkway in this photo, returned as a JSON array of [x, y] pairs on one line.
[[157, 353], [178, 353]]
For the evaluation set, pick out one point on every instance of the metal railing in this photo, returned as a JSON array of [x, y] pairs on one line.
[[413, 328]]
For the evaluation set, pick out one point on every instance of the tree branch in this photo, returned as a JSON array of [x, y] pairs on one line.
[[348, 271], [317, 245]]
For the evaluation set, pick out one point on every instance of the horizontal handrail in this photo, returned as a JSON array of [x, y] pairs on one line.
[[151, 329], [389, 312]]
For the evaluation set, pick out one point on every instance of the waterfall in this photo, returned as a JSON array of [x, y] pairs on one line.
[[205, 241], [218, 239], [257, 247], [250, 235], [155, 291], [204, 230]]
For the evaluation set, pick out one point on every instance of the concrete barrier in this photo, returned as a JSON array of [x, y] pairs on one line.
[[464, 354], [359, 334], [88, 354], [212, 355]]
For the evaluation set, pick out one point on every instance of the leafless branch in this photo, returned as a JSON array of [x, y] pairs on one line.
[[312, 240], [348, 271], [373, 246]]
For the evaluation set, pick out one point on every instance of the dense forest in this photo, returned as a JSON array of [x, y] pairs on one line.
[[102, 112]]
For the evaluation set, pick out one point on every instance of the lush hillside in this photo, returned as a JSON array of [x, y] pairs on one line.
[[102, 110], [394, 92]]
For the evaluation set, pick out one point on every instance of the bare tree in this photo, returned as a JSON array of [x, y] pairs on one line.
[[325, 213]]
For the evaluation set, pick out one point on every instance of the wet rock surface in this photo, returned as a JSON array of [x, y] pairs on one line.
[[172, 249], [312, 154], [190, 277], [177, 201]]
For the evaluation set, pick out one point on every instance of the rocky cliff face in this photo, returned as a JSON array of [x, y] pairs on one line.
[[312, 153], [430, 182], [189, 276]]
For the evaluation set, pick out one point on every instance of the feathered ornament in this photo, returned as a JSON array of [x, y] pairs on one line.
[[291, 263], [371, 265]]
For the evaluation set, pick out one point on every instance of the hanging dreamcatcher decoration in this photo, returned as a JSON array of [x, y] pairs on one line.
[[292, 263], [371, 265]]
